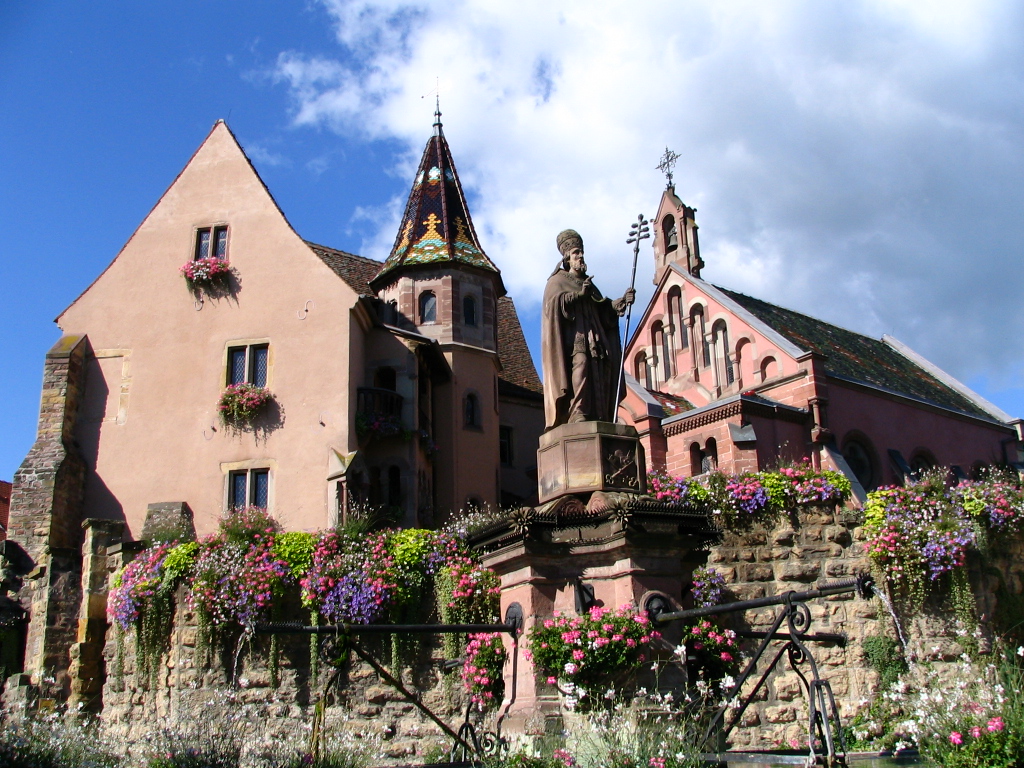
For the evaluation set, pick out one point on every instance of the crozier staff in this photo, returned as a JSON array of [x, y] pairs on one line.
[[580, 349]]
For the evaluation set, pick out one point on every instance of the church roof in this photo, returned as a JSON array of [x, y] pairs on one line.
[[853, 356], [436, 227]]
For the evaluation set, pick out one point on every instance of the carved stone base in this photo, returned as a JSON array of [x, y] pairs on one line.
[[590, 456]]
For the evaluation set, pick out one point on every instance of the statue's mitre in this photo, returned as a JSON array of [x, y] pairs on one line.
[[568, 238]]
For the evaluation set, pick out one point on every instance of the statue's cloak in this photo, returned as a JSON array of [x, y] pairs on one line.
[[574, 321]]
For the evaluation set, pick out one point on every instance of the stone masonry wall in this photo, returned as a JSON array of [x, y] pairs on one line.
[[200, 690], [45, 517], [817, 545]]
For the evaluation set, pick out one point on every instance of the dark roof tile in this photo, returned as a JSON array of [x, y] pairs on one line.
[[861, 358], [356, 271], [512, 350]]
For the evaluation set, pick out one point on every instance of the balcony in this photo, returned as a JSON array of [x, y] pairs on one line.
[[379, 413]]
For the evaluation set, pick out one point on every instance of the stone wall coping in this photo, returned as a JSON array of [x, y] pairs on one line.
[[65, 346], [127, 546], [103, 524]]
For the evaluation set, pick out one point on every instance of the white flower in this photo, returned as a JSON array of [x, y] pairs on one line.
[[609, 694], [680, 651], [570, 668], [727, 683], [1020, 650]]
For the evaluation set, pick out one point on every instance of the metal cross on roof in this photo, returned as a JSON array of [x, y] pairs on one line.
[[668, 163]]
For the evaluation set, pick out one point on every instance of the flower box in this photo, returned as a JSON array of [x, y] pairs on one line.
[[239, 404], [211, 271]]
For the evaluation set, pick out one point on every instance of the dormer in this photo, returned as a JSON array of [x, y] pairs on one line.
[[675, 236]]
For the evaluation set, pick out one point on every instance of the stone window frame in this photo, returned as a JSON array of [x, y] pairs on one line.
[[856, 437], [470, 311], [249, 345], [506, 446], [250, 466], [213, 245]]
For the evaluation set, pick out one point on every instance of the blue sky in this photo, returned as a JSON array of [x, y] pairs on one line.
[[861, 163]]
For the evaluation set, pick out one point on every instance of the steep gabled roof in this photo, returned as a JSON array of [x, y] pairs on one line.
[[356, 271], [516, 361], [436, 227], [853, 356]]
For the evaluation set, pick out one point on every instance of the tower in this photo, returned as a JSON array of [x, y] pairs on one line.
[[675, 236], [440, 283]]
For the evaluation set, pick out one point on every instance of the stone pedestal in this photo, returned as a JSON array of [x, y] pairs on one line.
[[590, 456], [560, 560]]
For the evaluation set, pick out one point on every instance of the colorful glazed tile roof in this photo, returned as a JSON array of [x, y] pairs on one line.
[[861, 358], [436, 227], [673, 404]]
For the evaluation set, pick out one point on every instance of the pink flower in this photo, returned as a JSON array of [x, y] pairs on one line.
[[552, 681], [956, 738], [995, 724], [976, 732]]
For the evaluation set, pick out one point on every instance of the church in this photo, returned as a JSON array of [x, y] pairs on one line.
[[720, 380]]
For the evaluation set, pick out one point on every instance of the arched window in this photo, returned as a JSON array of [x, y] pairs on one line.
[[469, 310], [860, 455], [660, 343], [675, 317], [428, 308], [710, 462], [696, 459], [724, 363], [394, 487], [472, 411], [668, 229], [769, 368], [642, 369], [921, 462], [700, 336]]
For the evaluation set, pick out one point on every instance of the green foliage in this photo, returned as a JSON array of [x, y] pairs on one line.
[[179, 561], [296, 549], [886, 658]]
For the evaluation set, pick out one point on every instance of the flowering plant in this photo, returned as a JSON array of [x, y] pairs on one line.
[[753, 497], [468, 592], [381, 425], [915, 534], [235, 584], [713, 652], [240, 403], [482, 670], [346, 585], [995, 503], [205, 271], [135, 586], [583, 655], [708, 586]]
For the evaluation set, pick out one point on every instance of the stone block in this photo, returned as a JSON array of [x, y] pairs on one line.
[[780, 714], [590, 456], [169, 521], [756, 572], [797, 571], [750, 719], [783, 537], [787, 686]]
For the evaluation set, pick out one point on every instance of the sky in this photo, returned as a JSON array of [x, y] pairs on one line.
[[857, 161]]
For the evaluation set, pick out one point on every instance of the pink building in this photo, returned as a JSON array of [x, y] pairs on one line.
[[404, 385], [719, 379]]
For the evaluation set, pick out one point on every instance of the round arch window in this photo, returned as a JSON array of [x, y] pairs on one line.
[[861, 457]]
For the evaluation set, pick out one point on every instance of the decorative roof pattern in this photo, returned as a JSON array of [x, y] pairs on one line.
[[356, 271], [851, 355], [672, 404], [516, 361], [436, 227]]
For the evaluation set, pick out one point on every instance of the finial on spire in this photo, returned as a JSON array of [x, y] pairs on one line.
[[437, 108], [668, 164]]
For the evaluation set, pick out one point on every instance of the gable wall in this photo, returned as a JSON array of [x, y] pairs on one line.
[[159, 366]]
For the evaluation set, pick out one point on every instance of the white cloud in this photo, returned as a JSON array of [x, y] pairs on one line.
[[859, 162]]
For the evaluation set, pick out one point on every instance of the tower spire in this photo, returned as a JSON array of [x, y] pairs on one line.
[[437, 109]]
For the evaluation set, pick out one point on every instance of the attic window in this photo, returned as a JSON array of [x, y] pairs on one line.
[[212, 241]]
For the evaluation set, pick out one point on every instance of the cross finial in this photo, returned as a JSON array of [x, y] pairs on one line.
[[437, 108], [668, 164]]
